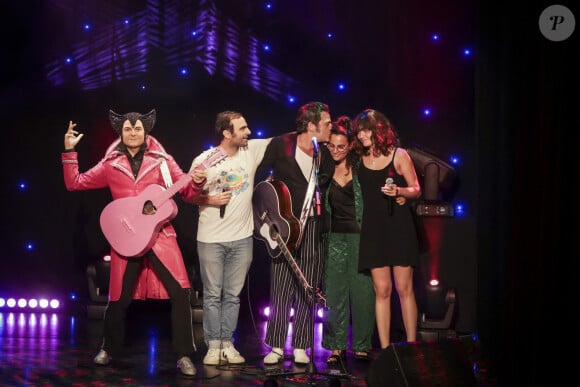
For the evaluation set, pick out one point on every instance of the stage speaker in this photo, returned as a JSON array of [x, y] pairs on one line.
[[442, 363]]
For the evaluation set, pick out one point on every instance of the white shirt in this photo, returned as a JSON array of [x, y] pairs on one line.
[[236, 173]]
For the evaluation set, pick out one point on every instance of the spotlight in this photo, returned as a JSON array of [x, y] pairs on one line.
[[28, 304], [433, 282], [320, 314], [439, 306], [266, 313]]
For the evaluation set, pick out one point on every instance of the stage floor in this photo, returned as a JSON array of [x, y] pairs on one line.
[[56, 349]]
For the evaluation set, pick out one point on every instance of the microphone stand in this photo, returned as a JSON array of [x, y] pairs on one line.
[[315, 297]]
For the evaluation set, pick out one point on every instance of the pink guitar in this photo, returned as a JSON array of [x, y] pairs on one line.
[[131, 224]]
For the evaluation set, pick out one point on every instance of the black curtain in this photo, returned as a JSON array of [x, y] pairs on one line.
[[527, 119]]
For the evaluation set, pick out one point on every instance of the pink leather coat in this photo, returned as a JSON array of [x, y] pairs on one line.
[[114, 172]]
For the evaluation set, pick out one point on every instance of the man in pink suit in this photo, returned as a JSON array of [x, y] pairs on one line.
[[132, 163]]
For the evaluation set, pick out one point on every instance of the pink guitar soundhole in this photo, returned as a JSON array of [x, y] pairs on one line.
[[131, 224]]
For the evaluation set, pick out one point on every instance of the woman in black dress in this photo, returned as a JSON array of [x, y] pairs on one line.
[[389, 245]]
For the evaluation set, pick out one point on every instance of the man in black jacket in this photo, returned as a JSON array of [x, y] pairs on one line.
[[305, 168]]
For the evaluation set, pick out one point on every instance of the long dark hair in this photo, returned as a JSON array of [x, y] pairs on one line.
[[383, 133]]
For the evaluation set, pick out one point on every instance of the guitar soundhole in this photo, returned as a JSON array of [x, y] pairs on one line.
[[274, 232], [149, 208]]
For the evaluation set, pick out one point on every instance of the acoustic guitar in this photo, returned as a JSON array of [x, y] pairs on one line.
[[274, 221], [276, 225], [131, 224]]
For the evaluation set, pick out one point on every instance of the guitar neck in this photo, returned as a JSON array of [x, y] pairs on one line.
[[292, 262], [172, 190], [215, 157], [313, 293], [309, 288]]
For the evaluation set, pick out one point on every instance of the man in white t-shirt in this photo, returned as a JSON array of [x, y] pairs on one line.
[[225, 233]]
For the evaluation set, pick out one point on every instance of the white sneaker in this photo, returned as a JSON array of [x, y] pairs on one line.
[[186, 366], [102, 358], [212, 357], [231, 355], [275, 356], [300, 356]]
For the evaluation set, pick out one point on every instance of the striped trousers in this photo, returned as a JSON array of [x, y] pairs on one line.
[[287, 290]]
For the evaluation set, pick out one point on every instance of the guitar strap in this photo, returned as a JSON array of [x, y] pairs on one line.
[[308, 199], [165, 173]]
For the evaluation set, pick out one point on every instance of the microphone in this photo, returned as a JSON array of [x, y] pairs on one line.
[[315, 143], [317, 189], [391, 204], [317, 199], [225, 188]]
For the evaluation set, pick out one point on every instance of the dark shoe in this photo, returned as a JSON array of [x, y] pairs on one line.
[[362, 356], [335, 359]]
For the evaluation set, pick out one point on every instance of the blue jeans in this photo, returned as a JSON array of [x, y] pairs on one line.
[[223, 269]]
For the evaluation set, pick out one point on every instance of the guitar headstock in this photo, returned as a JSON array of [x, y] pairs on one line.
[[321, 299], [216, 156]]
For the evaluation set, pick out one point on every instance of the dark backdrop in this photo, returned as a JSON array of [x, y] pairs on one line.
[[527, 104]]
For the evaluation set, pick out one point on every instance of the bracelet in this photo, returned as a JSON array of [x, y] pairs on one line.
[[397, 191]]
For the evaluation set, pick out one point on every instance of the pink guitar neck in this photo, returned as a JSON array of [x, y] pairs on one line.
[[172, 190], [179, 184]]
